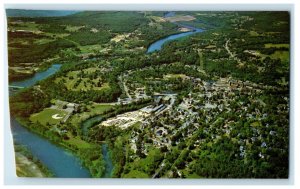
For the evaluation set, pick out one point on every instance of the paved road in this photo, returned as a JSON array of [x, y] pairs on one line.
[[123, 81], [160, 168], [230, 53]]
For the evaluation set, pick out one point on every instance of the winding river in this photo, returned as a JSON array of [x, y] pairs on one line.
[[58, 160], [36, 77], [87, 124], [108, 163], [157, 45], [61, 162]]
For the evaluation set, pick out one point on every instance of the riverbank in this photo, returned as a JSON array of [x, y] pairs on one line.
[[163, 37], [51, 153], [158, 44], [37, 77], [94, 157], [29, 166]]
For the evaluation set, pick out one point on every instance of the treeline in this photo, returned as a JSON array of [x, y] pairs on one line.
[[115, 21], [220, 161], [115, 144], [92, 158], [53, 28], [152, 34], [12, 35], [34, 53], [217, 61], [17, 76], [27, 102], [60, 91], [257, 43], [267, 21], [85, 36], [214, 19]]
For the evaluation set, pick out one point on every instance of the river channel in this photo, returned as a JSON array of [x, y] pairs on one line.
[[60, 161]]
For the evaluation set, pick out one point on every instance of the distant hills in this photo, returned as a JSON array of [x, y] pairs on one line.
[[38, 13]]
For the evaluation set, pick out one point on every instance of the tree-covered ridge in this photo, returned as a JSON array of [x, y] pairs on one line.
[[39, 41]]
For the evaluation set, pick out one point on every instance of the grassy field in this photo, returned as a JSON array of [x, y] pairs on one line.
[[136, 174], [73, 28], [90, 48], [95, 109], [28, 26], [201, 61], [74, 82], [254, 33], [269, 45], [43, 41], [77, 141], [77, 119], [45, 116], [99, 108], [283, 55], [174, 76]]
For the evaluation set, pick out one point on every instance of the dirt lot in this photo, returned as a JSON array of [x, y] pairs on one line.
[[180, 18]]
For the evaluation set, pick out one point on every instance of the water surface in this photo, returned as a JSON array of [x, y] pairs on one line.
[[58, 160], [157, 45], [108, 163], [36, 77], [87, 124]]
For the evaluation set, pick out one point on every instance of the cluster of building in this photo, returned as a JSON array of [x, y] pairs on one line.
[[211, 99], [68, 107], [126, 120], [163, 102], [137, 95]]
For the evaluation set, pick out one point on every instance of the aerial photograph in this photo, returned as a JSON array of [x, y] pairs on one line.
[[149, 94]]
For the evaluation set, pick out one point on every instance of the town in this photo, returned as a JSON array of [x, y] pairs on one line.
[[152, 94]]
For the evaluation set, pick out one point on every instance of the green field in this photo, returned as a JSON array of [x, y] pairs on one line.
[[99, 108], [77, 141], [136, 174], [90, 48], [269, 45], [73, 81], [283, 55], [254, 33], [43, 41], [28, 26], [73, 28], [45, 116], [93, 110], [174, 76]]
